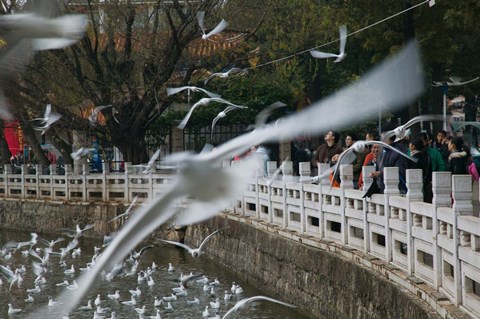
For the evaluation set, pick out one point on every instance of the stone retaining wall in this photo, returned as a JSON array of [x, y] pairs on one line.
[[322, 284]]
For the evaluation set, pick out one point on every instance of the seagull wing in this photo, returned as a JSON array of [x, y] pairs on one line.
[[210, 94], [421, 118], [219, 28], [242, 303], [200, 20], [206, 239], [343, 39], [153, 158], [462, 83], [176, 243], [202, 101], [172, 91], [382, 144], [264, 114], [48, 111], [322, 55]]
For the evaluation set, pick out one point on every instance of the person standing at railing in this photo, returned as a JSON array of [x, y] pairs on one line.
[[457, 160], [389, 158], [419, 151], [328, 152]]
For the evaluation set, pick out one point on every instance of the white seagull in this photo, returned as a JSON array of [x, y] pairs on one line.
[[343, 40], [401, 130], [46, 115], [81, 152], [205, 101], [223, 113], [219, 28], [171, 91], [195, 252], [224, 75], [151, 163], [54, 117], [244, 304], [93, 117]]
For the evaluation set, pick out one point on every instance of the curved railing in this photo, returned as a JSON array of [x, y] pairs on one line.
[[438, 243]]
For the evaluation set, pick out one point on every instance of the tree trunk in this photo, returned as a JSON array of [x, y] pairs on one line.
[[32, 141], [132, 146]]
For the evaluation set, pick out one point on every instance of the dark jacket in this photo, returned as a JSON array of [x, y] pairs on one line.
[[457, 163], [325, 153], [390, 158]]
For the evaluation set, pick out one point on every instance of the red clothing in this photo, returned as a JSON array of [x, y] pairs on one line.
[[368, 158]]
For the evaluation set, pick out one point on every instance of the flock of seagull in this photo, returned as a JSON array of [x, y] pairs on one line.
[[47, 257], [390, 85]]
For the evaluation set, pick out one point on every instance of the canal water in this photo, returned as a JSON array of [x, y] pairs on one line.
[[163, 280]]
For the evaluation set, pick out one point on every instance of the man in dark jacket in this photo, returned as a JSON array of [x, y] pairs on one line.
[[325, 153], [389, 158]]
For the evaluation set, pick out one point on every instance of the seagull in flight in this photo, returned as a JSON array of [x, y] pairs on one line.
[[205, 101], [397, 81], [81, 152], [151, 163], [454, 81], [26, 33], [348, 156], [53, 117], [223, 113], [195, 252], [224, 75], [46, 115], [244, 303], [343, 40], [401, 130], [219, 28], [171, 91], [93, 118]]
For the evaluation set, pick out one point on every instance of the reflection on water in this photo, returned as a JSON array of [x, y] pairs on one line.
[[164, 281]]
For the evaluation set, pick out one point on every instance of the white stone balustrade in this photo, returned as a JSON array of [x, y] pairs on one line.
[[436, 243]]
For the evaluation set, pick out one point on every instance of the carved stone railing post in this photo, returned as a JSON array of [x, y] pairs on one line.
[[462, 205], [304, 169], [38, 167], [105, 171], [414, 179], [346, 176], [271, 168], [367, 180], [390, 180], [414, 184], [23, 172], [287, 171], [441, 188]]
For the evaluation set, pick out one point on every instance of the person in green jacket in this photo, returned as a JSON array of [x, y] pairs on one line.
[[438, 165]]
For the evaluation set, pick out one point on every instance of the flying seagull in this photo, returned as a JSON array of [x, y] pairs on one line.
[[195, 252], [401, 130], [54, 117], [397, 81], [343, 40], [348, 156], [242, 304], [224, 75], [219, 28], [151, 163], [454, 81], [205, 101], [171, 91], [93, 117], [222, 114], [81, 152]]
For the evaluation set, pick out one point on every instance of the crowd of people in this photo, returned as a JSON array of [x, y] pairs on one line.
[[431, 154]]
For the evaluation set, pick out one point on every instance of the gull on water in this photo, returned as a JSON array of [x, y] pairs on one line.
[[394, 83], [12, 310], [219, 28], [195, 252], [339, 57]]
